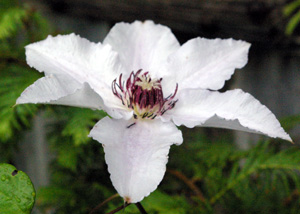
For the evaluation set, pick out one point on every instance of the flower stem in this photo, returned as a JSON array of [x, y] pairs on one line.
[[103, 203], [141, 208], [188, 182], [118, 209]]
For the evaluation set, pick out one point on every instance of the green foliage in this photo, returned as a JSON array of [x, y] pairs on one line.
[[288, 123], [15, 74], [293, 23], [255, 181], [80, 122], [11, 20], [19, 26], [17, 194], [291, 7], [291, 10], [15, 18], [78, 165], [13, 81], [159, 202], [260, 159], [78, 188]]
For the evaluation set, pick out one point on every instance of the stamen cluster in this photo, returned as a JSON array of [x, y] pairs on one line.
[[143, 95]]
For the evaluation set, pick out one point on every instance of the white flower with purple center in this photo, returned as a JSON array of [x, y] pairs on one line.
[[148, 84]]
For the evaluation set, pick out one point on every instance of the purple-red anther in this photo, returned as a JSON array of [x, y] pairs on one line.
[[143, 94]]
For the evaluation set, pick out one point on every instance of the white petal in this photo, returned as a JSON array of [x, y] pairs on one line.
[[63, 90], [142, 45], [84, 97], [60, 89], [206, 63], [78, 59], [233, 110], [137, 155]]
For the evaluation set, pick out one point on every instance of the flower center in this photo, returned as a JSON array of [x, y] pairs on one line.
[[143, 95]]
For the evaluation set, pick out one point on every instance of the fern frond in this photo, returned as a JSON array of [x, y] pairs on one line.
[[79, 123], [13, 80], [293, 23], [287, 159], [291, 7], [283, 165], [11, 20]]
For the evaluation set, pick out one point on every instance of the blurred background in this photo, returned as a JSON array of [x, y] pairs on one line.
[[215, 170]]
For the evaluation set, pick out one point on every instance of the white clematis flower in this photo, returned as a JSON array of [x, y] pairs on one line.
[[148, 84]]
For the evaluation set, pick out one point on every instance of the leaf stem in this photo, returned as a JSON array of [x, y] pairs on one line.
[[104, 202], [118, 209], [188, 182], [141, 208]]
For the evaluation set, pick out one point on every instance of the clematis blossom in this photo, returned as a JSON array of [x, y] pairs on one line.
[[149, 84]]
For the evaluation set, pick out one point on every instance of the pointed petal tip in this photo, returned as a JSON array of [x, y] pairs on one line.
[[246, 44], [285, 137], [288, 138], [233, 109], [281, 134], [19, 101]]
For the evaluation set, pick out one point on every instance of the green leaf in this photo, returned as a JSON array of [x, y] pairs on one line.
[[291, 7], [292, 24], [17, 194], [11, 20]]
